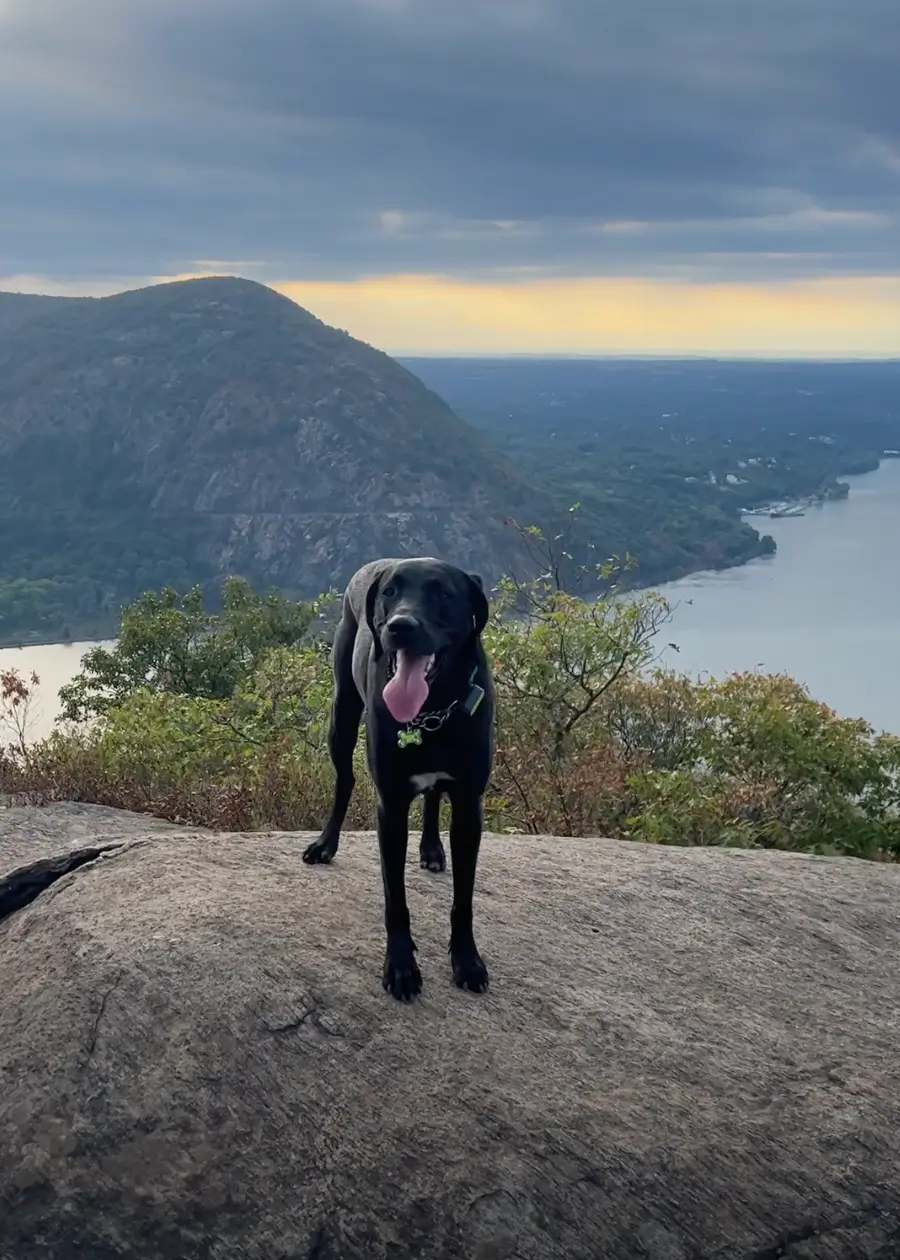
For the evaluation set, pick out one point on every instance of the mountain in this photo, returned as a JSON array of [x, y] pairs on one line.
[[16, 308], [193, 429]]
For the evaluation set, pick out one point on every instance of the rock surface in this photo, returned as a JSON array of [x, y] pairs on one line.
[[684, 1055]]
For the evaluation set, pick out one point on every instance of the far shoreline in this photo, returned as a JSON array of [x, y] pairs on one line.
[[95, 637], [22, 645], [852, 479]]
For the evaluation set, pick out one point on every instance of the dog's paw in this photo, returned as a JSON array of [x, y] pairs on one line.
[[401, 976], [432, 856], [320, 852], [469, 971]]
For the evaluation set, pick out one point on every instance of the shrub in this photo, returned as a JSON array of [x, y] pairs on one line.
[[556, 770], [17, 698], [171, 642], [591, 739]]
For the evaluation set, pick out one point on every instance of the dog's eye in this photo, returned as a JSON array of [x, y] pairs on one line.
[[389, 592], [443, 593]]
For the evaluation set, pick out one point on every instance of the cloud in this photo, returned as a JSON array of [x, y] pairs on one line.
[[480, 139]]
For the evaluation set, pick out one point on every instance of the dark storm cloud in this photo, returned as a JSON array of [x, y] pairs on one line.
[[330, 138]]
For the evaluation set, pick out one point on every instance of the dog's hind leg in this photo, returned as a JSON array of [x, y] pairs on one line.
[[431, 851], [469, 971], [343, 733]]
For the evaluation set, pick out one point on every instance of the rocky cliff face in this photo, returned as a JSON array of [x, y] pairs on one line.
[[684, 1055], [291, 451]]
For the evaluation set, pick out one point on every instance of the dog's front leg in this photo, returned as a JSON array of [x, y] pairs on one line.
[[401, 976], [469, 971]]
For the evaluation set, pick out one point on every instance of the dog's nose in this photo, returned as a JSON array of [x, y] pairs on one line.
[[402, 626]]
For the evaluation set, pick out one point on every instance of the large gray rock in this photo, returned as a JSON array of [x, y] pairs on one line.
[[683, 1054]]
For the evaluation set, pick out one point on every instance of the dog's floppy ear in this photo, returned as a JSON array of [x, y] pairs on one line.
[[371, 596], [480, 609]]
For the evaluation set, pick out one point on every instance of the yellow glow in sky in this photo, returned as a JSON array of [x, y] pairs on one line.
[[852, 317], [420, 314]]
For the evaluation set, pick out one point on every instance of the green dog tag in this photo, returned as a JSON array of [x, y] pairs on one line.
[[405, 738]]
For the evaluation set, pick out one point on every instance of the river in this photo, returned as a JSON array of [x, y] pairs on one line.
[[825, 609], [55, 665]]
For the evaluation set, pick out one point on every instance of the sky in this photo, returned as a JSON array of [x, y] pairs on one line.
[[471, 176]]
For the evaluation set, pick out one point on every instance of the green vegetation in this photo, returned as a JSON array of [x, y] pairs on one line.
[[171, 642], [221, 720], [665, 456], [71, 582]]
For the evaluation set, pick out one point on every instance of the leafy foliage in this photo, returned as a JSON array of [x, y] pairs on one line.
[[762, 764], [221, 720], [17, 696], [173, 643], [556, 658]]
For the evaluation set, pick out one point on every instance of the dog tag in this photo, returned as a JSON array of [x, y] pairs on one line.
[[473, 699], [405, 738]]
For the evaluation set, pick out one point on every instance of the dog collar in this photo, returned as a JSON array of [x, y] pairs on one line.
[[411, 734]]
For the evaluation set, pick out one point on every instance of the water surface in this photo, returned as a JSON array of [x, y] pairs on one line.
[[55, 665], [825, 609]]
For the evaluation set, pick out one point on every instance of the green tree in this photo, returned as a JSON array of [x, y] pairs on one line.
[[174, 643], [555, 659]]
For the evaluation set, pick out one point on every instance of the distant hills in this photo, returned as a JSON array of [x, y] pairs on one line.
[[665, 455], [183, 432], [188, 430]]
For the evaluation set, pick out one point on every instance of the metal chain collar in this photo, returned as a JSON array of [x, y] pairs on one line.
[[411, 733], [432, 721]]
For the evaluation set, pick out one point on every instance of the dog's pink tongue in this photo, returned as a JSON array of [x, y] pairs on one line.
[[407, 691]]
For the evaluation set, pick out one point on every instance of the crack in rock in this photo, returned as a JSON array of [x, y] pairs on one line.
[[98, 1018], [293, 1024], [311, 1016], [24, 885]]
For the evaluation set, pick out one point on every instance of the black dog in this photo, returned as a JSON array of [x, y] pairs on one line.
[[408, 652]]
